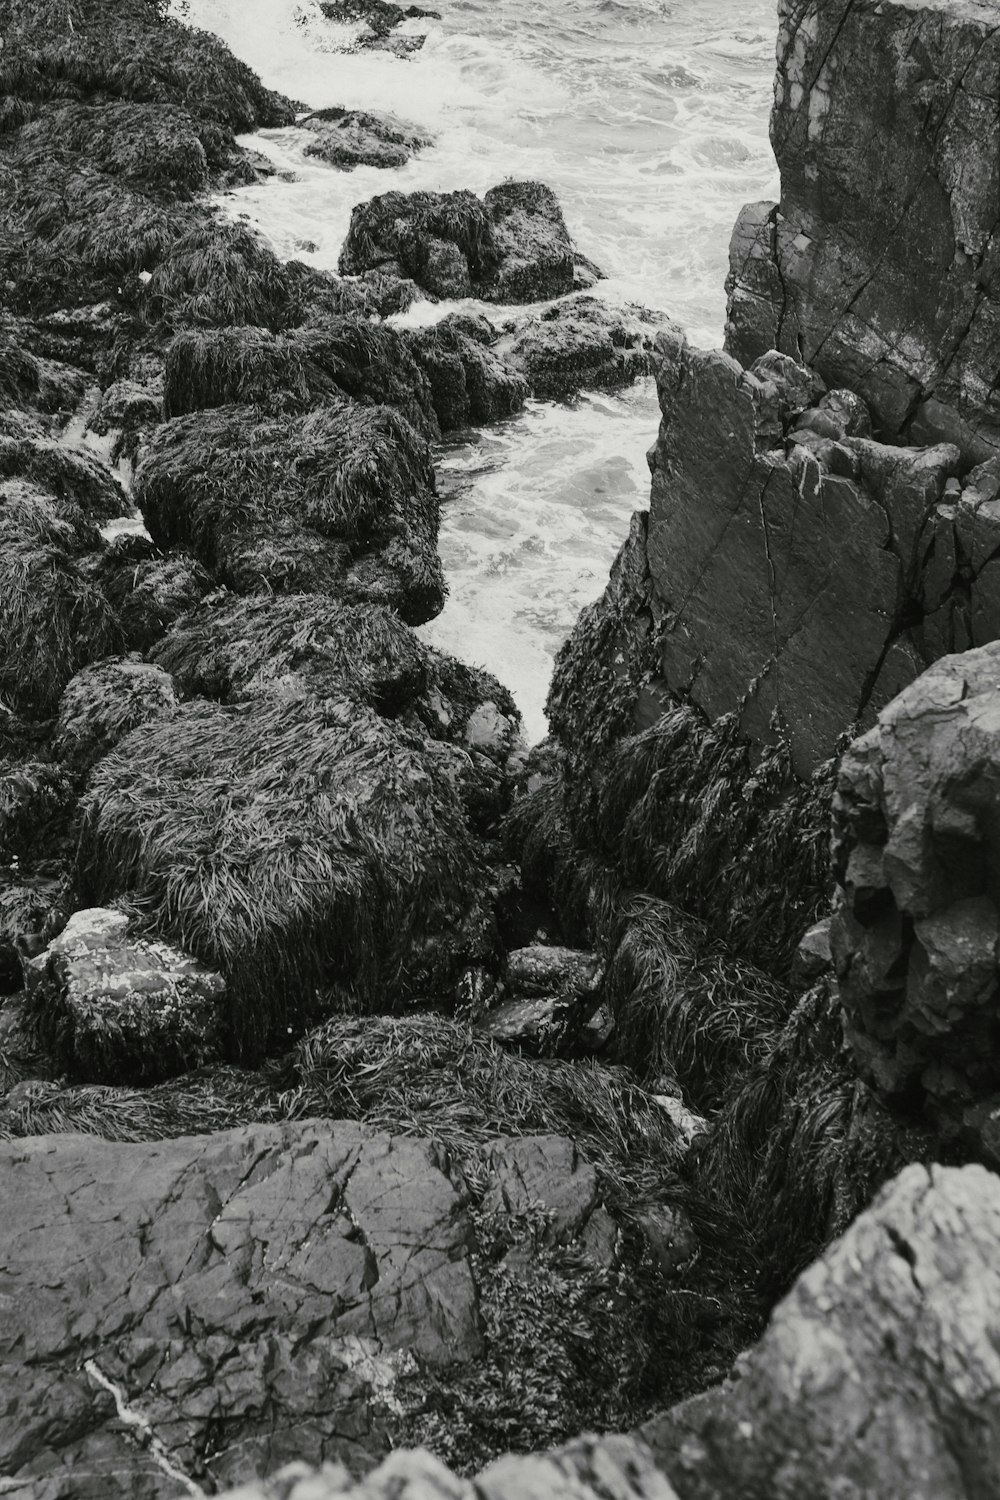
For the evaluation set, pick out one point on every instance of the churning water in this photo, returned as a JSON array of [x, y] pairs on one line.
[[648, 118]]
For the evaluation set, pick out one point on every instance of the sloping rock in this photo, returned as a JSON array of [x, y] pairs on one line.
[[116, 1008], [232, 1300], [348, 138], [878, 1374], [916, 924], [879, 268]]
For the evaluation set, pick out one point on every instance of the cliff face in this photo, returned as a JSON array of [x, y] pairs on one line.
[[880, 267]]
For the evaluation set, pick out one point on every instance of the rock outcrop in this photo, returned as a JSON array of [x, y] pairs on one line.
[[916, 926], [879, 267]]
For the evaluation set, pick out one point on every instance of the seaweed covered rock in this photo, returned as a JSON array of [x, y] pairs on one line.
[[54, 618], [32, 909], [130, 410], [878, 268], [580, 345], [103, 703], [67, 474], [128, 50], [148, 589], [469, 379], [293, 843], [550, 993], [339, 501], [511, 247], [349, 138], [915, 926], [112, 1006], [340, 355], [878, 1373], [212, 273]]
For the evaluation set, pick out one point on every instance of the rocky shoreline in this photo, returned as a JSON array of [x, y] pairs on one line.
[[367, 1082]]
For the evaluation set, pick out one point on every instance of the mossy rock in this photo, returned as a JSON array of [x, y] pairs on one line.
[[54, 617], [68, 475], [339, 501], [105, 702], [216, 274], [289, 844], [340, 356], [157, 148], [148, 589]]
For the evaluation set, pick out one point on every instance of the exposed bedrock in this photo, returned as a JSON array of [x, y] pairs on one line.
[[879, 266], [203, 1309], [877, 1375]]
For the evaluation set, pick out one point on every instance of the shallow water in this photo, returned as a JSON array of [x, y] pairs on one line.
[[649, 120]]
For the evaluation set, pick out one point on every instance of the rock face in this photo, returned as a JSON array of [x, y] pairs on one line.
[[242, 1299], [916, 924], [787, 556], [114, 1008], [879, 268], [512, 246], [879, 1373]]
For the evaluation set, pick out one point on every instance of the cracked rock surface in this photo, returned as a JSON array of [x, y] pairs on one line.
[[916, 925], [786, 548], [879, 267], [879, 1374], [245, 1297]]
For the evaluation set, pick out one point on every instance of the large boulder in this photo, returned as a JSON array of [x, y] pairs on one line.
[[339, 501], [879, 268], [879, 1372], [349, 138], [581, 344], [916, 924], [513, 246]]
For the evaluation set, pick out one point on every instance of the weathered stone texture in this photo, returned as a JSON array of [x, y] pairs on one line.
[[879, 1374], [880, 267], [916, 926], [250, 1295]]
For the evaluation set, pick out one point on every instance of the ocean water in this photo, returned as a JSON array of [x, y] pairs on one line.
[[648, 118]]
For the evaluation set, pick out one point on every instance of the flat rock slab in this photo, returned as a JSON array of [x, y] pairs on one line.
[[240, 1297]]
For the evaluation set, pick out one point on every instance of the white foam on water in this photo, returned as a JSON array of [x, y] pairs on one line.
[[648, 118]]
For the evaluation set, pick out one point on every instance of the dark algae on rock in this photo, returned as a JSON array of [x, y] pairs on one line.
[[367, 1082]]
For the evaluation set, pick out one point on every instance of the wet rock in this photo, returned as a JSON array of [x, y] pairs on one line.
[[249, 1296], [583, 344], [545, 1171], [348, 138], [119, 1008], [512, 247], [813, 957], [877, 268], [915, 928], [32, 909], [470, 380], [554, 991], [382, 16], [877, 1373], [103, 703], [131, 411], [68, 475]]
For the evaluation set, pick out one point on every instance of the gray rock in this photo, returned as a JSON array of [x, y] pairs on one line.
[[879, 267], [878, 1374], [916, 854]]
